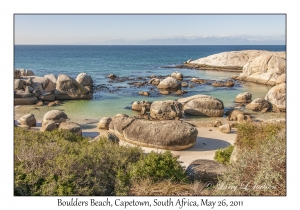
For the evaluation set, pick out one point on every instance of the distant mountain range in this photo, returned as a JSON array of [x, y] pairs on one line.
[[225, 40]]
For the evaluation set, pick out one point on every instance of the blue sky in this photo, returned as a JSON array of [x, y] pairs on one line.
[[136, 29]]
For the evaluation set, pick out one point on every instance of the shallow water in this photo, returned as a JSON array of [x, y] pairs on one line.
[[133, 62]]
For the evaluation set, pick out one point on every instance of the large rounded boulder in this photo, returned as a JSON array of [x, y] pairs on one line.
[[265, 68], [22, 97], [166, 110], [138, 105], [169, 83], [154, 81], [26, 72], [71, 126], [243, 98], [202, 105], [205, 171], [277, 96], [259, 104], [54, 115], [68, 88], [28, 120], [84, 79], [169, 135], [234, 114], [177, 75], [104, 123]]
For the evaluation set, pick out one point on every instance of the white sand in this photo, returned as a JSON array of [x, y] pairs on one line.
[[208, 141]]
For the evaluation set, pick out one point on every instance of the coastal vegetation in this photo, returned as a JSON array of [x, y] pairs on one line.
[[223, 155], [63, 163]]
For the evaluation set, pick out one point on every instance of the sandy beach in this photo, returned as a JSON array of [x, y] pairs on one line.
[[209, 139]]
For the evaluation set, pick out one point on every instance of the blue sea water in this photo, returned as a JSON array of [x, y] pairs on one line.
[[99, 61]]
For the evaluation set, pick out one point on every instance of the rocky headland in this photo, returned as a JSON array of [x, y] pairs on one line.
[[258, 66]]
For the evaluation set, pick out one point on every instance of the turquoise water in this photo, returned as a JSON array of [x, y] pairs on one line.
[[131, 61]]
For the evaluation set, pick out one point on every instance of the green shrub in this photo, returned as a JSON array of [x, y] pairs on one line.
[[62, 163], [223, 155], [158, 166]]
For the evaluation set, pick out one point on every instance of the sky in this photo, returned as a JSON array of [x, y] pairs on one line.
[[149, 29]]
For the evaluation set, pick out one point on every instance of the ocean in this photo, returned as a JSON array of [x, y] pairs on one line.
[[132, 62]]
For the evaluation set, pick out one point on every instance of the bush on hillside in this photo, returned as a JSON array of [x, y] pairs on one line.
[[260, 166], [62, 163], [158, 166]]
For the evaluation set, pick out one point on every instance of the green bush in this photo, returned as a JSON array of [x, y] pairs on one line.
[[62, 163], [158, 166], [223, 155]]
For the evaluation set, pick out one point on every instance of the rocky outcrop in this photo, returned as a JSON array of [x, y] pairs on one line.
[[205, 171], [230, 61], [229, 83], [54, 115], [236, 115], [24, 98], [202, 105], [170, 135], [177, 75], [218, 84], [25, 101], [121, 115], [68, 88], [256, 65], [19, 84], [170, 84], [43, 84], [47, 96], [28, 89], [277, 96], [259, 104], [104, 123], [138, 105], [243, 98], [25, 72], [50, 126], [112, 76], [225, 128], [17, 74], [28, 120], [281, 79], [84, 79], [144, 93], [154, 81], [265, 68], [217, 123], [71, 126], [198, 81], [109, 136], [166, 110]]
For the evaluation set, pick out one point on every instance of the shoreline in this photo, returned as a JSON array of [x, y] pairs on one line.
[[209, 139]]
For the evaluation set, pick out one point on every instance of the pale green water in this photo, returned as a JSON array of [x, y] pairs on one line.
[[108, 105]]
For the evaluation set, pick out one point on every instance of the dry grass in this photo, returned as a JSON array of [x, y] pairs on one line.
[[148, 187], [260, 168]]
